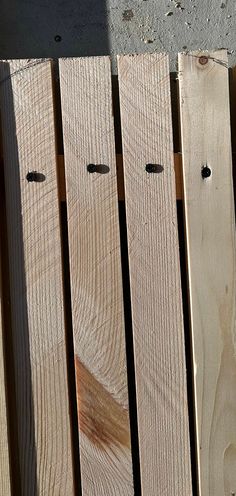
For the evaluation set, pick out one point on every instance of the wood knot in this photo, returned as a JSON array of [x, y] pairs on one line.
[[102, 419], [203, 60]]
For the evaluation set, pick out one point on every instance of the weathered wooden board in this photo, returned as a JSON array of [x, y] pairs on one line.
[[97, 303], [44, 439], [210, 232], [5, 486], [155, 275]]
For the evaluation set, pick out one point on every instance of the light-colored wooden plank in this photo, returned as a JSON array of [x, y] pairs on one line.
[[97, 304], [5, 485], [38, 328], [155, 275], [210, 232]]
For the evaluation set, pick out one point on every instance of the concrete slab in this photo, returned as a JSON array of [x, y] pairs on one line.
[[56, 28]]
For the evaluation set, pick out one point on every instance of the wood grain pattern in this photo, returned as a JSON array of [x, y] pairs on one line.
[[38, 326], [210, 232], [5, 485], [97, 302], [155, 275]]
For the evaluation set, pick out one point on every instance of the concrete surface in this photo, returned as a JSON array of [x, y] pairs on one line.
[[54, 28]]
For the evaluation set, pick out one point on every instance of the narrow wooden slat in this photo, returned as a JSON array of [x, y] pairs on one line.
[[97, 305], [38, 327], [5, 486], [210, 232], [155, 275]]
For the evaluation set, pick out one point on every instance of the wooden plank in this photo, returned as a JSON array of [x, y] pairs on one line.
[[38, 327], [5, 485], [97, 303], [155, 275], [210, 232]]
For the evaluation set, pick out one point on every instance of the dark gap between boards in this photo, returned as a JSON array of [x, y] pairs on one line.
[[126, 297], [174, 88], [188, 349]]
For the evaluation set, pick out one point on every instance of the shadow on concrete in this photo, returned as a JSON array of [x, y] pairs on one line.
[[53, 28]]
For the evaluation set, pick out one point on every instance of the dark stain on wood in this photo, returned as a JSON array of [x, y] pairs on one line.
[[101, 418]]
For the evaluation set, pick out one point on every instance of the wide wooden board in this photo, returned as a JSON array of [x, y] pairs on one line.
[[96, 281], [38, 328], [210, 233], [155, 275]]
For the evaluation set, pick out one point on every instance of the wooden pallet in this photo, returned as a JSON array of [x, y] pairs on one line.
[[95, 397]]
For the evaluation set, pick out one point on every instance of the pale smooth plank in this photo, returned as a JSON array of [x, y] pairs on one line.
[[96, 280], [210, 232], [5, 485], [38, 327], [155, 275]]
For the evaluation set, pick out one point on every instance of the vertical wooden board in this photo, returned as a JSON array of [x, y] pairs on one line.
[[97, 304], [5, 486], [155, 275], [210, 231], [38, 326]]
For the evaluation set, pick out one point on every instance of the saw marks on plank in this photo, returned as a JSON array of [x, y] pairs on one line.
[[38, 328], [155, 275], [210, 231], [96, 280]]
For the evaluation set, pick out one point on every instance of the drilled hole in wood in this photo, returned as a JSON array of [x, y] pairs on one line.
[[206, 172], [36, 177], [154, 168], [100, 168]]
